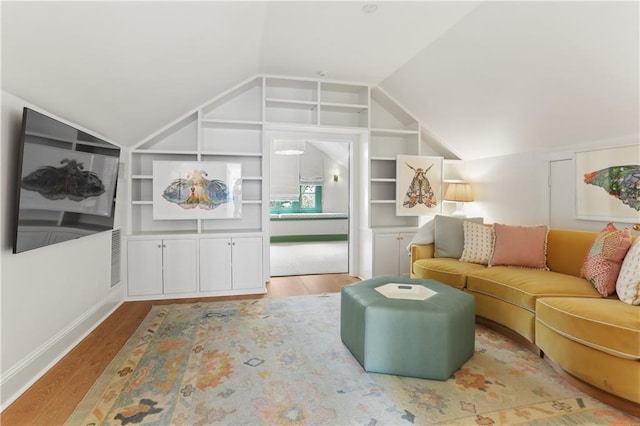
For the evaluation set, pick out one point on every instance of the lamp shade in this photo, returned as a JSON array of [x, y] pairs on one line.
[[459, 191], [288, 146]]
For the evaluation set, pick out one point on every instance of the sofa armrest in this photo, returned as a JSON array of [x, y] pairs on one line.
[[423, 251]]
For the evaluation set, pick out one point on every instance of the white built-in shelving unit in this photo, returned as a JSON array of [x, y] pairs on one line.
[[231, 128], [393, 132]]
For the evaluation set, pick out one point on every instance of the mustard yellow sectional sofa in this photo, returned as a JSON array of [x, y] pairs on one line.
[[562, 316]]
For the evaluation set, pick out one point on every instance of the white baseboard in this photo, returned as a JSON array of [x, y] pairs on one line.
[[24, 374]]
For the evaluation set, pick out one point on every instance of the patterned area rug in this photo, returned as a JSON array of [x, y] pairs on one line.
[[281, 361]]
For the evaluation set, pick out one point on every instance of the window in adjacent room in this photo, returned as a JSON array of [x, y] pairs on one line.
[[309, 201]]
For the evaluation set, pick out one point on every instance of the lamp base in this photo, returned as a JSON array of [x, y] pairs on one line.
[[459, 212]]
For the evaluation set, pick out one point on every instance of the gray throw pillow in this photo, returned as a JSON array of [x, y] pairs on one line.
[[449, 235]]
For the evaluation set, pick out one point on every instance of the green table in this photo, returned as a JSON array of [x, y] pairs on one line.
[[429, 338]]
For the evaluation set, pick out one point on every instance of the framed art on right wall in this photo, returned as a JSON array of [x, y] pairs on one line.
[[608, 184]]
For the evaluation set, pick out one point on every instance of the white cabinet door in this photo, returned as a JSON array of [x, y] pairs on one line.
[[144, 265], [404, 260], [180, 266], [390, 256], [215, 264], [192, 265], [385, 254], [247, 262]]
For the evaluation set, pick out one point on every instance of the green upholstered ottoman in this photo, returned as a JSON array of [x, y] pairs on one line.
[[428, 338]]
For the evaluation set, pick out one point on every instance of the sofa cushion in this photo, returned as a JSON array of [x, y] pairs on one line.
[[628, 284], [604, 324], [446, 270], [615, 375], [449, 235], [566, 249], [478, 243], [522, 287], [604, 258], [520, 246]]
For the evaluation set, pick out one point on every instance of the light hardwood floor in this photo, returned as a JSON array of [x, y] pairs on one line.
[[52, 399]]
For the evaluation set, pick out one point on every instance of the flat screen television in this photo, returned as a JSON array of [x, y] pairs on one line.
[[66, 183]]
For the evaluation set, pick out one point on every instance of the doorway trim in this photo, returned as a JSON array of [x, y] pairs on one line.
[[355, 139]]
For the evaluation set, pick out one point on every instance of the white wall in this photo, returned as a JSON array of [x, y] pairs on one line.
[[510, 189], [518, 189], [563, 190], [50, 297], [335, 195]]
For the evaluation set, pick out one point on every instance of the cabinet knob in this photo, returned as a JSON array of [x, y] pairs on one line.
[[159, 245]]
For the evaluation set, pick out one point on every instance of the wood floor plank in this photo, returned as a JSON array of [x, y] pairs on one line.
[[330, 284], [52, 399], [286, 286]]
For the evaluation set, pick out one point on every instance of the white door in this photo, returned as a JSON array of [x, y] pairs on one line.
[[562, 195], [215, 264], [246, 259], [144, 266], [180, 266]]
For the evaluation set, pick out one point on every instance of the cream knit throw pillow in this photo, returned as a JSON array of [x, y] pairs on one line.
[[478, 243]]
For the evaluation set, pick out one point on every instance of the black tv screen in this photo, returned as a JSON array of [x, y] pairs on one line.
[[66, 183]]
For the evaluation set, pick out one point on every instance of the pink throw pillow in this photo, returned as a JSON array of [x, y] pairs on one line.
[[603, 260], [524, 246]]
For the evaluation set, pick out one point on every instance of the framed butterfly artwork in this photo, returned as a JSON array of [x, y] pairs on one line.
[[608, 184], [418, 185], [197, 190]]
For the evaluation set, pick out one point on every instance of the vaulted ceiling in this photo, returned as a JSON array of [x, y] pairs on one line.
[[485, 78]]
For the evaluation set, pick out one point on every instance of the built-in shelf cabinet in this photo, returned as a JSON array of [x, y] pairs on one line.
[[393, 132], [234, 270], [161, 267], [390, 252], [231, 128]]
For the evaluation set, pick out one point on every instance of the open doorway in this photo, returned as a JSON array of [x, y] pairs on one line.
[[309, 208]]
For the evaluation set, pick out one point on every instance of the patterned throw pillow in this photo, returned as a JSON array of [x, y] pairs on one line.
[[478, 243], [603, 259], [628, 284]]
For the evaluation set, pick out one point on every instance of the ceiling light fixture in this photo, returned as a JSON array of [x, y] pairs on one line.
[[288, 146], [369, 8]]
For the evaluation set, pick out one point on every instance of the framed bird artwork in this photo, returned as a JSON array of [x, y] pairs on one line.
[[608, 184], [197, 190], [418, 185]]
